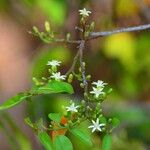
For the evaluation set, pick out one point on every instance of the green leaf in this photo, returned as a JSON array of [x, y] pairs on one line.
[[50, 88], [62, 143], [45, 140], [14, 100], [53, 87], [55, 117], [115, 122], [84, 137], [106, 143]]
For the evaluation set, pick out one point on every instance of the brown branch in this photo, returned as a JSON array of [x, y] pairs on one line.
[[94, 35], [71, 70], [81, 48], [67, 41]]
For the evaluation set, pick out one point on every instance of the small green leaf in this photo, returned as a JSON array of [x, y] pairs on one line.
[[84, 137], [53, 87], [35, 29], [62, 143], [92, 25], [106, 143], [115, 122], [14, 100], [45, 140], [55, 117], [29, 122], [102, 119], [40, 123]]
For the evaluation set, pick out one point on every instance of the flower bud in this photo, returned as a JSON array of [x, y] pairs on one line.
[[54, 69], [99, 104], [83, 64], [92, 25], [78, 121], [81, 85], [88, 77], [70, 78], [88, 107], [103, 128], [83, 20], [49, 70], [86, 34], [68, 36], [47, 26], [70, 122], [35, 29], [35, 81], [100, 116], [43, 78], [79, 69], [85, 95], [83, 101], [109, 120], [100, 110]]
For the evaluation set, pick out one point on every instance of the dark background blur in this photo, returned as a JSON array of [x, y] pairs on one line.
[[122, 60]]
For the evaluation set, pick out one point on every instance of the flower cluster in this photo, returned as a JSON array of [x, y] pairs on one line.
[[82, 111], [89, 109], [98, 90], [55, 75], [96, 125]]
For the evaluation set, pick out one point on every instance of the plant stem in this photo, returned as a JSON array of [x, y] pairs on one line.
[[81, 48], [72, 68]]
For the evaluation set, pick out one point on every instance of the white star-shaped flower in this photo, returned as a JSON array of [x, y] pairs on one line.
[[99, 84], [96, 125], [97, 91], [84, 12], [54, 63], [58, 76], [72, 108]]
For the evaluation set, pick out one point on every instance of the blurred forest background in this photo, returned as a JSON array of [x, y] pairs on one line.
[[122, 60]]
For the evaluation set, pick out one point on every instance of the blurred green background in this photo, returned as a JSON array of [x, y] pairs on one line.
[[122, 60]]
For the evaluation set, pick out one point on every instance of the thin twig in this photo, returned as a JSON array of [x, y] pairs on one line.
[[67, 41], [94, 35], [71, 70]]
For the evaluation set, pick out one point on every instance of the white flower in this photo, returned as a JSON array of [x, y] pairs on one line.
[[58, 76], [96, 125], [84, 12], [54, 63], [72, 108], [97, 91], [99, 84]]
